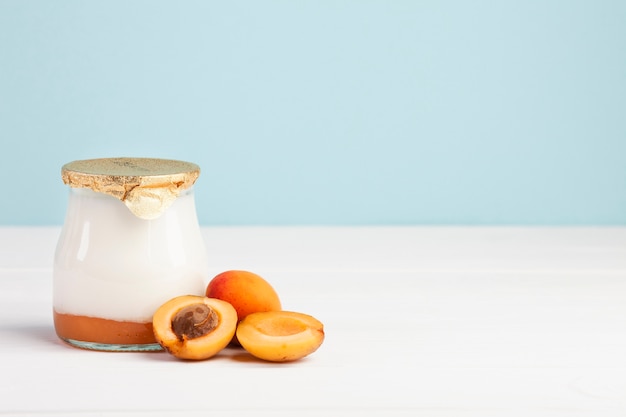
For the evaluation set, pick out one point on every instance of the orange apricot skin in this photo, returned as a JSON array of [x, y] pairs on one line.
[[246, 291]]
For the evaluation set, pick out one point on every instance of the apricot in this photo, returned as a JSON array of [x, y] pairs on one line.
[[246, 291], [280, 336], [194, 327]]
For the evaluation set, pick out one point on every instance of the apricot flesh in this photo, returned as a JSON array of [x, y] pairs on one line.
[[280, 336], [194, 327], [246, 291]]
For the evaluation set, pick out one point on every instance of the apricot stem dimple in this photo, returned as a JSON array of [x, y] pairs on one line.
[[194, 321]]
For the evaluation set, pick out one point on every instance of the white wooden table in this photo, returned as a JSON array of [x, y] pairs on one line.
[[422, 321]]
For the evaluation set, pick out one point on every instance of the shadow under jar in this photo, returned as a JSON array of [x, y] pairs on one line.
[[130, 242]]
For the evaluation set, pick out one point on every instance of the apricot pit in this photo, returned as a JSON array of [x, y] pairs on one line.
[[194, 327], [280, 336]]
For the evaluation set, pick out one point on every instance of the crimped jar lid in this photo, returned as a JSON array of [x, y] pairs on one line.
[[147, 186]]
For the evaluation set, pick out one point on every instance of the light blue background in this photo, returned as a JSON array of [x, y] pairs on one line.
[[325, 112]]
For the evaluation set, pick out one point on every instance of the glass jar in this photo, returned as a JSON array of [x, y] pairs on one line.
[[130, 242]]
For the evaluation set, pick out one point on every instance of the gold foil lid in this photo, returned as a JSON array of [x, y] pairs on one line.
[[146, 185]]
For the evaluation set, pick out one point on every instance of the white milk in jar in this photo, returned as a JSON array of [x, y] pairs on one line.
[[130, 242]]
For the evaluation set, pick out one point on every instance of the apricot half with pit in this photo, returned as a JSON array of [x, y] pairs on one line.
[[280, 336], [246, 291], [194, 327]]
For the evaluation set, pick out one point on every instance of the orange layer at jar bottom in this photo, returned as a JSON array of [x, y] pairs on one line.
[[98, 330]]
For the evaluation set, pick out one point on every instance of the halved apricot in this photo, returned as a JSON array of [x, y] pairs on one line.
[[280, 336], [194, 327]]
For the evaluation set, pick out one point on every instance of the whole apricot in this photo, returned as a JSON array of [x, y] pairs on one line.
[[194, 327], [280, 336], [247, 292]]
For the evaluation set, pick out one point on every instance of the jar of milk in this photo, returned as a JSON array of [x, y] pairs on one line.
[[130, 242]]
